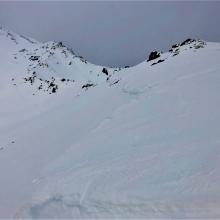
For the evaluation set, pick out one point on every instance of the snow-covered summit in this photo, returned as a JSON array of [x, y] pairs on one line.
[[84, 141], [43, 63]]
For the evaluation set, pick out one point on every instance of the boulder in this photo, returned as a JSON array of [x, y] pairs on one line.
[[153, 55], [104, 70]]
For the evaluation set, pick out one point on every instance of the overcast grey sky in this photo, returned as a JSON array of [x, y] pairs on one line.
[[113, 33]]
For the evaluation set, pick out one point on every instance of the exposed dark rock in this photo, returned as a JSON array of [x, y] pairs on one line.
[[51, 85], [187, 41], [199, 44], [117, 81], [54, 89], [176, 52], [175, 46], [34, 58], [30, 79], [104, 70], [40, 87], [60, 44], [153, 55], [86, 86], [70, 80], [159, 61]]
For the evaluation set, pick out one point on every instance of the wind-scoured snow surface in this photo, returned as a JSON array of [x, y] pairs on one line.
[[139, 142]]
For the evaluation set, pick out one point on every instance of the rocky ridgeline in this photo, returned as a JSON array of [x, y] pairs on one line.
[[38, 59], [176, 49], [39, 55], [192, 44]]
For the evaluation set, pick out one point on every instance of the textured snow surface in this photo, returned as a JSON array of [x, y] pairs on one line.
[[142, 142]]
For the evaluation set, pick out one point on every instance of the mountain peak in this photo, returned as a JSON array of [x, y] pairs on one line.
[[49, 66]]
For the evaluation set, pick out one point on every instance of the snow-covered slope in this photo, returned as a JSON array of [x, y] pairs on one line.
[[135, 142]]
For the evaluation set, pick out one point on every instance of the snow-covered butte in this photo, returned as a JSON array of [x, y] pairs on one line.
[[79, 140]]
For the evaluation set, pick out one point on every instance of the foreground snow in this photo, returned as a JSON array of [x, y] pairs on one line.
[[144, 142]]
